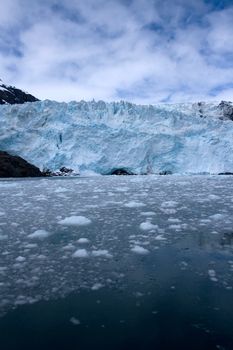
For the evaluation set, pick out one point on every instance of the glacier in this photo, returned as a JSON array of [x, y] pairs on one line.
[[98, 137]]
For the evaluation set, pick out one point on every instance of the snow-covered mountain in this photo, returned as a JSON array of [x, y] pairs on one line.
[[12, 95], [100, 137]]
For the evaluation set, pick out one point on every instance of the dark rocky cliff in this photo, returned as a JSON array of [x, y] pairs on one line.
[[14, 166], [12, 95]]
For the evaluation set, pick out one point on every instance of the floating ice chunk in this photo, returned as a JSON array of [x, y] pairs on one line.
[[147, 226], [81, 253], [205, 221], [75, 221], [41, 197], [183, 265], [39, 234], [169, 204], [6, 185], [169, 211], [30, 245], [20, 259], [139, 250], [122, 189], [60, 189], [41, 257], [69, 246], [173, 220], [213, 196], [212, 275], [21, 300], [83, 240], [75, 321], [134, 204], [104, 253], [147, 213], [160, 238], [97, 286], [217, 217]]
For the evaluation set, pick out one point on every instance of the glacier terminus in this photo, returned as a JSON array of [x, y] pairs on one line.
[[98, 137]]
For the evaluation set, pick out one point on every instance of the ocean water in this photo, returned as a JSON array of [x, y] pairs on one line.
[[134, 262]]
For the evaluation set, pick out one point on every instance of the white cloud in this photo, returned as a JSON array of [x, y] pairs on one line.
[[144, 51], [220, 36]]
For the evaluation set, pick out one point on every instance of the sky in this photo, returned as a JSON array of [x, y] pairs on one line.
[[143, 51]]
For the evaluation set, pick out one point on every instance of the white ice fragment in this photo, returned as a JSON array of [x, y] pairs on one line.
[[75, 221], [160, 238], [60, 189], [39, 234], [75, 321], [83, 240], [169, 211], [212, 275], [69, 246], [81, 253], [122, 189], [173, 220], [139, 250], [41, 257], [30, 245], [213, 196], [101, 253], [21, 300], [134, 204], [169, 204], [20, 259], [147, 226], [97, 286], [205, 221], [147, 213], [217, 217], [41, 197]]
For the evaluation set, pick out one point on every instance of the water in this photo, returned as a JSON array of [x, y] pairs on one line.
[[153, 268]]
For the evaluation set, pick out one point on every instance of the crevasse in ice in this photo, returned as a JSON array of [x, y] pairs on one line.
[[99, 137]]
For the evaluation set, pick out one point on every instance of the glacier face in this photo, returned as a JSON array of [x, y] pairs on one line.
[[99, 137]]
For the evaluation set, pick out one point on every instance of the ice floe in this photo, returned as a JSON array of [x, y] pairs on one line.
[[140, 250], [148, 226], [81, 253], [134, 204], [39, 234], [75, 221]]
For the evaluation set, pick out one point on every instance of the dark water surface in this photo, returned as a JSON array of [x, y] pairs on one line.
[[116, 263]]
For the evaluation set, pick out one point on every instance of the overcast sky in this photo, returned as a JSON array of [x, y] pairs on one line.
[[145, 51]]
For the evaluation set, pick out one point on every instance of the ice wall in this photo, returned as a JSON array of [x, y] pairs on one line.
[[99, 137]]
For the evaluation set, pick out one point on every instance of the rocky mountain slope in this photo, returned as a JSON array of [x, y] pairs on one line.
[[12, 95]]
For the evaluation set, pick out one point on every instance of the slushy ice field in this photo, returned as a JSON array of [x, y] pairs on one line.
[[134, 262]]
